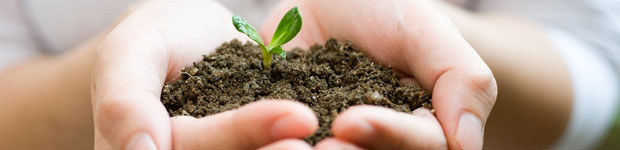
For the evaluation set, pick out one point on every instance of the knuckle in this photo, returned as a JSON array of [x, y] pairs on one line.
[[107, 111], [484, 85], [483, 82]]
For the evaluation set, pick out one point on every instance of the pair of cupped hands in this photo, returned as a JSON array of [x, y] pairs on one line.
[[158, 38]]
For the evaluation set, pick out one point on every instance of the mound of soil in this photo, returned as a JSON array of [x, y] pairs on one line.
[[327, 78]]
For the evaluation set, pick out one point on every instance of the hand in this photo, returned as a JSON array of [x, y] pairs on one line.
[[417, 40], [149, 47]]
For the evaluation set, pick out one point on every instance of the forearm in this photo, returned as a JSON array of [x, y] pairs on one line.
[[535, 95], [45, 101]]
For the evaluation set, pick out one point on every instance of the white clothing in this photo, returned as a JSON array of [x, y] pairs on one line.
[[16, 40], [594, 109]]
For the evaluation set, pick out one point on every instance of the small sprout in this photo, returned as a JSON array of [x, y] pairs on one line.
[[288, 28]]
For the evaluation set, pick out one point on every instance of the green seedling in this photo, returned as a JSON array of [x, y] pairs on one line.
[[287, 29]]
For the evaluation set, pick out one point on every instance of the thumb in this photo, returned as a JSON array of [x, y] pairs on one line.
[[463, 100], [127, 82]]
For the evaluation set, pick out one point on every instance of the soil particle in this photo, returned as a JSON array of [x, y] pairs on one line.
[[327, 78]]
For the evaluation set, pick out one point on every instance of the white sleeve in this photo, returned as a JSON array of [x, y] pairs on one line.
[[595, 96], [16, 39]]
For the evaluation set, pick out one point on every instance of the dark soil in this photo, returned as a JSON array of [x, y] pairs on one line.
[[327, 78]]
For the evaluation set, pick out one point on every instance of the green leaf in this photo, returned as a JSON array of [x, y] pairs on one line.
[[244, 27], [279, 51], [288, 28]]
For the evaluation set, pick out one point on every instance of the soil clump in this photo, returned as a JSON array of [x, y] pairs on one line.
[[328, 78]]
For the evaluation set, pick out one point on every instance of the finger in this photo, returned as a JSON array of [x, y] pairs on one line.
[[288, 144], [463, 102], [335, 144], [382, 128], [424, 113], [250, 127]]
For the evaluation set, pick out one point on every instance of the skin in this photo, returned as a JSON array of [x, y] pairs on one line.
[[147, 49], [535, 101], [539, 84], [133, 60], [60, 107], [419, 41], [67, 80], [548, 87]]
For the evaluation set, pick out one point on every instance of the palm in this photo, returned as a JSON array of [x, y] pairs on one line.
[[413, 37], [148, 48]]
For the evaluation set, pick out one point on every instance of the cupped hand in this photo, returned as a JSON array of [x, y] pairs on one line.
[[149, 47], [417, 40]]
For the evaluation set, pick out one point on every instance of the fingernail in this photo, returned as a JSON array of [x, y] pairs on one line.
[[141, 141], [422, 112], [469, 132]]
